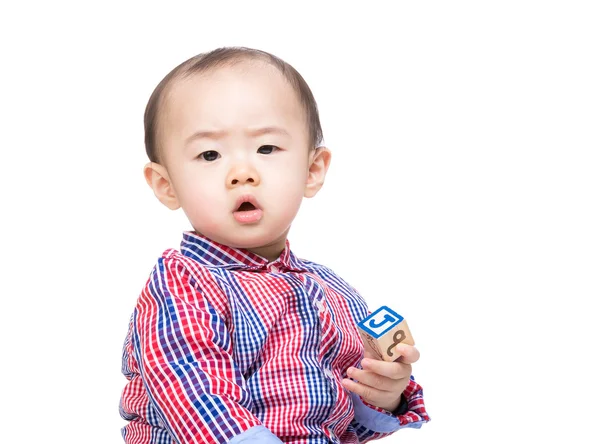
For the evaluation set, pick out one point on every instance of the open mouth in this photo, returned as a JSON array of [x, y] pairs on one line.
[[248, 211], [246, 206]]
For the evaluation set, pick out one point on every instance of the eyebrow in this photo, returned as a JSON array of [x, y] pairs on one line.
[[215, 135], [268, 130]]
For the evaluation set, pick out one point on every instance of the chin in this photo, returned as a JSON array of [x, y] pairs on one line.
[[250, 240], [246, 237]]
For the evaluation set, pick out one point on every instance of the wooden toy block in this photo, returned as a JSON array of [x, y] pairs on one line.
[[382, 331]]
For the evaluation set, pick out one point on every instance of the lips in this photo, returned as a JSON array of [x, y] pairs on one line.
[[247, 210], [246, 203]]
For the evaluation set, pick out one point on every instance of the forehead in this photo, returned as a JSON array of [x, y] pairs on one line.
[[247, 94]]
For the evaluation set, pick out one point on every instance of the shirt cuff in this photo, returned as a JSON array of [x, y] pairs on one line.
[[373, 418], [410, 413], [256, 434]]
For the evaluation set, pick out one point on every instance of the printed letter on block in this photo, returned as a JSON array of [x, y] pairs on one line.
[[382, 330]]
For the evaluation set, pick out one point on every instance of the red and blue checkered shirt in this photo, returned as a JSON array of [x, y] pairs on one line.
[[225, 346]]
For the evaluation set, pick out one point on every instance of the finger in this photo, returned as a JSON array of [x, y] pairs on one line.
[[375, 380], [408, 354], [392, 370], [368, 393]]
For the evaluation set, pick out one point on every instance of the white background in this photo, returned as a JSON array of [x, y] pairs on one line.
[[464, 193]]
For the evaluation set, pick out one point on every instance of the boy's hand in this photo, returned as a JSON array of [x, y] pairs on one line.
[[381, 383]]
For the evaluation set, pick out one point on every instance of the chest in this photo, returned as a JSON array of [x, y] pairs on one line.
[[287, 320]]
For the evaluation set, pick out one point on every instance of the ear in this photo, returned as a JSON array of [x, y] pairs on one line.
[[317, 169], [157, 178]]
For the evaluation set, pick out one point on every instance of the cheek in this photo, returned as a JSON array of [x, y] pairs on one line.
[[204, 212], [200, 199], [289, 192], [292, 173], [289, 184]]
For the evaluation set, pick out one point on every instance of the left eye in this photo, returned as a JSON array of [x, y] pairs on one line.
[[267, 149]]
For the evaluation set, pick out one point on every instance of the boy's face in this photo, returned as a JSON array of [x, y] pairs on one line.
[[235, 144]]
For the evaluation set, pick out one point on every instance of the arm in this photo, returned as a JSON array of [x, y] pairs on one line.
[[385, 396], [372, 422], [185, 355]]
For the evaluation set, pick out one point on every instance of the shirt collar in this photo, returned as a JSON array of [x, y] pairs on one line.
[[213, 254]]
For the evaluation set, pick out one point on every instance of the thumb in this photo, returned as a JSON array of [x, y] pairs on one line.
[[409, 354]]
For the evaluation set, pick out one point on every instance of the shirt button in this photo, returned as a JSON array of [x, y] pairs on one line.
[[274, 268], [328, 373], [321, 306]]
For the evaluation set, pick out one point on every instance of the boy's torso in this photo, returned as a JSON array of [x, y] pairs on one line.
[[293, 335]]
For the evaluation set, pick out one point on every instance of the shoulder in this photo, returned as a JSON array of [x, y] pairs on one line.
[[340, 286], [176, 275], [321, 270], [327, 274], [172, 261], [191, 281]]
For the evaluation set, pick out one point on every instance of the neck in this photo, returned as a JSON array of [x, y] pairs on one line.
[[273, 250], [269, 252]]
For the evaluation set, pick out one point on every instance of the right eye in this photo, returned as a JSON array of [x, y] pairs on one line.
[[209, 156]]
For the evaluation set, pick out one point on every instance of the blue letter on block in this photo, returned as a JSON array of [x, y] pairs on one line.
[[380, 322]]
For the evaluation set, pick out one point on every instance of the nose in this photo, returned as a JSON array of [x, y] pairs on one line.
[[242, 174]]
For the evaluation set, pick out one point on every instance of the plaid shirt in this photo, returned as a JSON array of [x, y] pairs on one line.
[[225, 346]]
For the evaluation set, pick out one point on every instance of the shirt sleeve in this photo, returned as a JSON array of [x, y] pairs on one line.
[[186, 363], [256, 435], [372, 422]]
